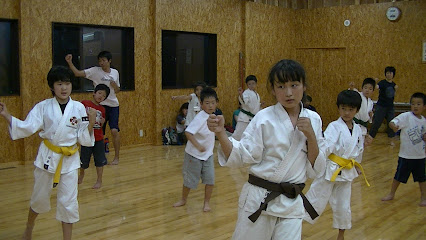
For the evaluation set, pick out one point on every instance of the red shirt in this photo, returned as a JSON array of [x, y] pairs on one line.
[[100, 111]]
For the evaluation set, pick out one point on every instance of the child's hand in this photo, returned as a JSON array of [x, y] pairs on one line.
[[68, 58], [351, 85], [102, 121], [5, 113], [3, 108], [240, 91], [370, 114], [216, 123], [304, 125], [368, 140], [201, 148], [174, 97], [91, 112]]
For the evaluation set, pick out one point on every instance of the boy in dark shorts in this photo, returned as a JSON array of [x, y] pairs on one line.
[[412, 154], [100, 94]]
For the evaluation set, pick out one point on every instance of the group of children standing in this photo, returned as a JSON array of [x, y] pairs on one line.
[[282, 145]]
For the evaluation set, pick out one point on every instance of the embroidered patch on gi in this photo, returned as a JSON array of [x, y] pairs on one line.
[[46, 166], [85, 119], [73, 121]]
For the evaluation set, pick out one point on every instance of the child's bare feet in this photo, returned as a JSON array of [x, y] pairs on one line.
[[206, 207], [114, 162], [388, 197], [97, 185], [180, 203], [422, 203], [80, 178], [28, 232]]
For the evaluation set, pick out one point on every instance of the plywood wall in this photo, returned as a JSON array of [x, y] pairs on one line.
[[371, 43], [219, 17], [263, 33], [270, 35]]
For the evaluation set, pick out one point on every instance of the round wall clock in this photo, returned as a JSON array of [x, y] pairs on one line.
[[393, 13]]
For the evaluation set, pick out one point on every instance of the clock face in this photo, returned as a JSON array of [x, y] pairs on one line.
[[393, 13]]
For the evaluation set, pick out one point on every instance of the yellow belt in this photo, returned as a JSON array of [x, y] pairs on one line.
[[65, 151], [345, 163]]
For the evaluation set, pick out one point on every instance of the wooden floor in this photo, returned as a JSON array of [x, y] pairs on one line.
[[136, 201]]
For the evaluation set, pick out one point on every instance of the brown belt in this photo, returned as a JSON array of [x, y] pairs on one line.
[[290, 190]]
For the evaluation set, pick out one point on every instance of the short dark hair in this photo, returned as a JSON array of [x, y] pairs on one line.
[[59, 73], [105, 54], [349, 98], [418, 95], [208, 92], [199, 84], [103, 87], [308, 98], [251, 78], [369, 81], [183, 106], [287, 70], [390, 69]]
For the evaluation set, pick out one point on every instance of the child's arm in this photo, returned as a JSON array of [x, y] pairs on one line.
[[77, 73], [92, 119], [194, 142], [216, 124], [304, 125], [5, 113], [351, 86], [182, 97]]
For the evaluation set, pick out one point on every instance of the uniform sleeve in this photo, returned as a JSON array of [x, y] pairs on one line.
[[83, 136], [89, 73], [400, 120], [248, 151], [320, 162], [33, 123], [118, 79], [195, 125], [331, 138]]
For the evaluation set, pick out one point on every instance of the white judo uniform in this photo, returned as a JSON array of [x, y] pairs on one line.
[[342, 143], [62, 130], [366, 107], [194, 107], [275, 151], [250, 102]]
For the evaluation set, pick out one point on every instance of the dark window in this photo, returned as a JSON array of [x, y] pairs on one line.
[[85, 42], [188, 58], [9, 57]]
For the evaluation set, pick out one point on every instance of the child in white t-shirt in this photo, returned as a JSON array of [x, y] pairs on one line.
[[198, 161], [412, 155]]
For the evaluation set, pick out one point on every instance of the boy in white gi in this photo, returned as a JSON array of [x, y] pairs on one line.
[[412, 155], [63, 123], [109, 76], [280, 147], [250, 105], [365, 113], [344, 145], [198, 162], [193, 100]]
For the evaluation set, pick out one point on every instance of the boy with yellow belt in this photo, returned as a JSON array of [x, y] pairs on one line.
[[63, 123], [344, 145]]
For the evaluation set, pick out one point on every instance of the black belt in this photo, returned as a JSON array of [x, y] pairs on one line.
[[247, 112], [290, 190], [360, 122]]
